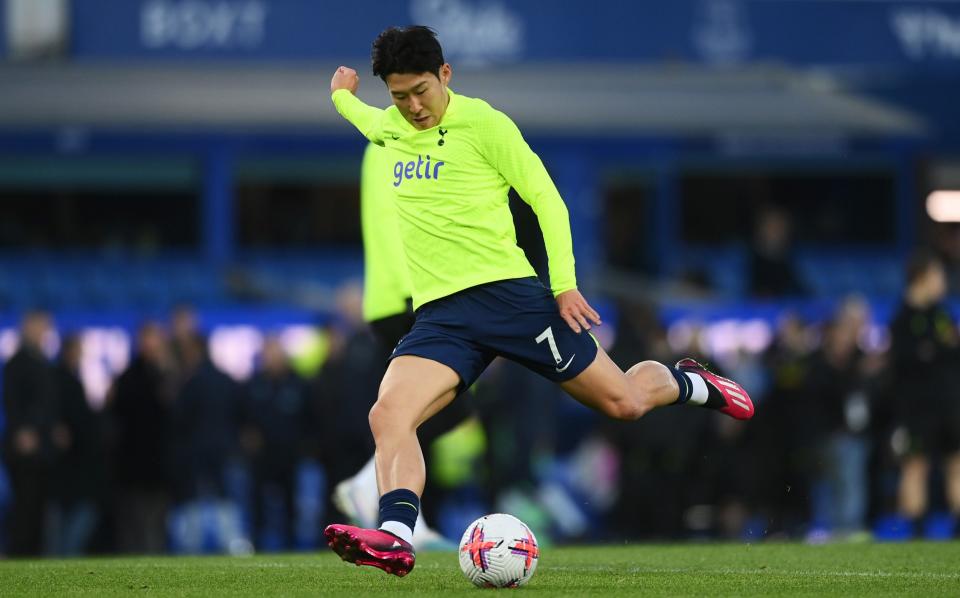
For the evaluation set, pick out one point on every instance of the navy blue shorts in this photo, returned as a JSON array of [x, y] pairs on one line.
[[517, 319]]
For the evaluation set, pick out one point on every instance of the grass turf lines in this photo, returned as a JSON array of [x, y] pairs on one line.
[[928, 569]]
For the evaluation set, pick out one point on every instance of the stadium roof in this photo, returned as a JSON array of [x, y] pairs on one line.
[[580, 100]]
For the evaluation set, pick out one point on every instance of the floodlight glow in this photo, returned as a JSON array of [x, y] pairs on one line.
[[944, 206]]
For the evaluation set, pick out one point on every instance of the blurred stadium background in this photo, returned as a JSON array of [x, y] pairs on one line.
[[739, 174]]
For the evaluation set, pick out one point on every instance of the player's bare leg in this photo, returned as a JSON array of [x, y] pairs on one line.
[[623, 395], [650, 384], [413, 390]]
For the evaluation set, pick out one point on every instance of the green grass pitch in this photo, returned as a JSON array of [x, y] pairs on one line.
[[927, 569]]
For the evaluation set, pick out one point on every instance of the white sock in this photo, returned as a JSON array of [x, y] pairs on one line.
[[399, 530], [700, 392]]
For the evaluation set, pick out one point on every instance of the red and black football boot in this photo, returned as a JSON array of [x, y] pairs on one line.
[[738, 403]]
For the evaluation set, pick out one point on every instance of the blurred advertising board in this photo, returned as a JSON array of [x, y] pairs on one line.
[[867, 33]]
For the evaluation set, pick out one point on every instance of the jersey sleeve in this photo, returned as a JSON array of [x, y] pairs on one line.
[[508, 152], [367, 119]]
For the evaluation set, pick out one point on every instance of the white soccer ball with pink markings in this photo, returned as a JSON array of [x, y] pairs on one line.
[[498, 551]]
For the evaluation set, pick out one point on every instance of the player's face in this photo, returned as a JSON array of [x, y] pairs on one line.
[[421, 97]]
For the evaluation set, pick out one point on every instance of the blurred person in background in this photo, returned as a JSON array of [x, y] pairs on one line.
[[781, 444], [80, 470], [139, 405], [184, 327], [205, 425], [639, 333], [275, 408], [344, 391], [772, 273], [649, 457], [924, 363], [34, 435], [838, 382]]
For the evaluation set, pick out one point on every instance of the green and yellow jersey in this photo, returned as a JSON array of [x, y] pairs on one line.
[[450, 185], [386, 281]]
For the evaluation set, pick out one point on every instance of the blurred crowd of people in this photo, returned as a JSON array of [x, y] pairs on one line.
[[175, 436], [858, 428], [849, 430]]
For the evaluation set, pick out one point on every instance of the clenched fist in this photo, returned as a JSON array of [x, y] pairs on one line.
[[345, 78]]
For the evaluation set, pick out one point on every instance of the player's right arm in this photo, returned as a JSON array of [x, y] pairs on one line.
[[367, 119]]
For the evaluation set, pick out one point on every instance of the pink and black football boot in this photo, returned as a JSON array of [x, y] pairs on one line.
[[738, 403], [372, 547]]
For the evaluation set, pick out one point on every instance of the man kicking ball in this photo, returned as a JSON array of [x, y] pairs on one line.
[[475, 295]]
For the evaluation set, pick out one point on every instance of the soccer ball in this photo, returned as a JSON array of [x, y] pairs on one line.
[[498, 551]]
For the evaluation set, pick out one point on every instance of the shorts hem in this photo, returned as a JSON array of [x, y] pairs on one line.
[[413, 352]]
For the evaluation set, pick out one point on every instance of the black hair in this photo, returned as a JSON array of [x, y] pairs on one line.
[[920, 263], [413, 49]]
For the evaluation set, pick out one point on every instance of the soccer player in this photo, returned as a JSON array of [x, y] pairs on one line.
[[475, 294]]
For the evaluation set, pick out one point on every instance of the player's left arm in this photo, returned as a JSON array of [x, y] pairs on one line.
[[509, 153]]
